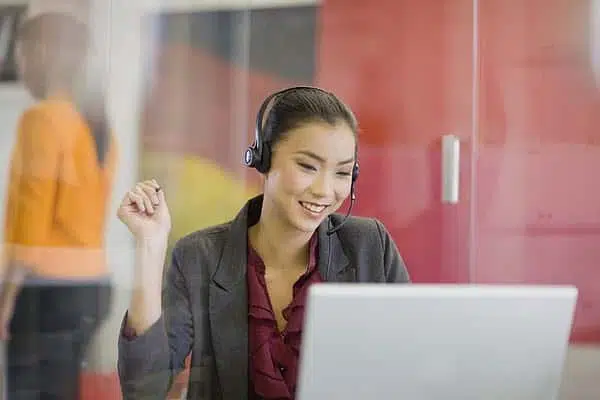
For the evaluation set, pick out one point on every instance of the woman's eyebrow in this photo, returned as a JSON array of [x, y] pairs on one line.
[[320, 159]]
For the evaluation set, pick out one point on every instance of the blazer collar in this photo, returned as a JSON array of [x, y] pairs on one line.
[[231, 269]]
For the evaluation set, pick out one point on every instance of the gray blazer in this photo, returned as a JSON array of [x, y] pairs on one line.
[[205, 305]]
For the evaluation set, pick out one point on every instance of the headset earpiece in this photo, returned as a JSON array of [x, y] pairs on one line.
[[249, 157], [252, 158], [355, 172]]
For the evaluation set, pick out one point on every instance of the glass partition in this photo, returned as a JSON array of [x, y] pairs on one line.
[[479, 130]]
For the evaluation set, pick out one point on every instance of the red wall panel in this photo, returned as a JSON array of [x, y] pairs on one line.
[[538, 212], [405, 67]]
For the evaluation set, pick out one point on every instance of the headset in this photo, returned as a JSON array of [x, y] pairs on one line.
[[258, 155]]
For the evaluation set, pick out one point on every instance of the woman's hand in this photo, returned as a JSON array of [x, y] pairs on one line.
[[145, 213], [144, 210]]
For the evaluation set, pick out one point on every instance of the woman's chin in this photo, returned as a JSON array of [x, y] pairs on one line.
[[307, 221]]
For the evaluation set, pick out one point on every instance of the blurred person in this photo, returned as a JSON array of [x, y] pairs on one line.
[[56, 288], [234, 293]]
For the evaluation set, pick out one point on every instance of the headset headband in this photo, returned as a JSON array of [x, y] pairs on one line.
[[258, 129], [258, 155]]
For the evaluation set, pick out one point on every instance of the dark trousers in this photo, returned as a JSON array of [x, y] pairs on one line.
[[51, 328]]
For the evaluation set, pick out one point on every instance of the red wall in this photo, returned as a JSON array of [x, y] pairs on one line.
[[405, 67], [528, 116]]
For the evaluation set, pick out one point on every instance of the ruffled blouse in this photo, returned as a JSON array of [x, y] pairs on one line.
[[273, 358]]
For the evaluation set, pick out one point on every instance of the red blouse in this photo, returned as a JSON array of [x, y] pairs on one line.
[[273, 358]]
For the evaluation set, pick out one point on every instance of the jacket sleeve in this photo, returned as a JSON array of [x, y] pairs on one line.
[[148, 363], [393, 264]]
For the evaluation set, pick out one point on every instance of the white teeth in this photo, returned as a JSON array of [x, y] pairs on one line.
[[313, 207]]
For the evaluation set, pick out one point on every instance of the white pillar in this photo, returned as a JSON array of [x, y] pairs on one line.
[[118, 35]]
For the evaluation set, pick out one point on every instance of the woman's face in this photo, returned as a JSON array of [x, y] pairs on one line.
[[311, 173]]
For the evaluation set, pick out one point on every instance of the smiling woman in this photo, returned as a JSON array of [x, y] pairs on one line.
[[247, 279]]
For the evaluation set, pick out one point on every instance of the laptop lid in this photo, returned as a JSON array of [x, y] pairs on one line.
[[422, 342]]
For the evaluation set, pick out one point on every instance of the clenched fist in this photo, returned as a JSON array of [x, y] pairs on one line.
[[144, 211]]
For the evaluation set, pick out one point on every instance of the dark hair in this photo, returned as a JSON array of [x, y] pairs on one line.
[[299, 106], [68, 40]]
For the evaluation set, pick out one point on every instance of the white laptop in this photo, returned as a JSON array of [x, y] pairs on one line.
[[433, 342]]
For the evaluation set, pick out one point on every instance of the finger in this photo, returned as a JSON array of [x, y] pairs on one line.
[[161, 197], [147, 202], [154, 184], [127, 201], [136, 200], [150, 191]]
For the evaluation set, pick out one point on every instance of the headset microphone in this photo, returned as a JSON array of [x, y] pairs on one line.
[[333, 230]]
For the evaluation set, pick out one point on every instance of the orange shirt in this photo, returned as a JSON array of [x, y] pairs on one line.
[[58, 194]]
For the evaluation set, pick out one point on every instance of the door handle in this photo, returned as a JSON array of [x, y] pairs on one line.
[[450, 168]]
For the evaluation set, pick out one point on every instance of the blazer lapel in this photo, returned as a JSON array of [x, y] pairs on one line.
[[334, 265], [228, 309]]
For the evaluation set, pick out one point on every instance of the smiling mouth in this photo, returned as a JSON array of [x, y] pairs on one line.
[[313, 207]]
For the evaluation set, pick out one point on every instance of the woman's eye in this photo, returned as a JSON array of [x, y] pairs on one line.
[[344, 173], [306, 166]]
